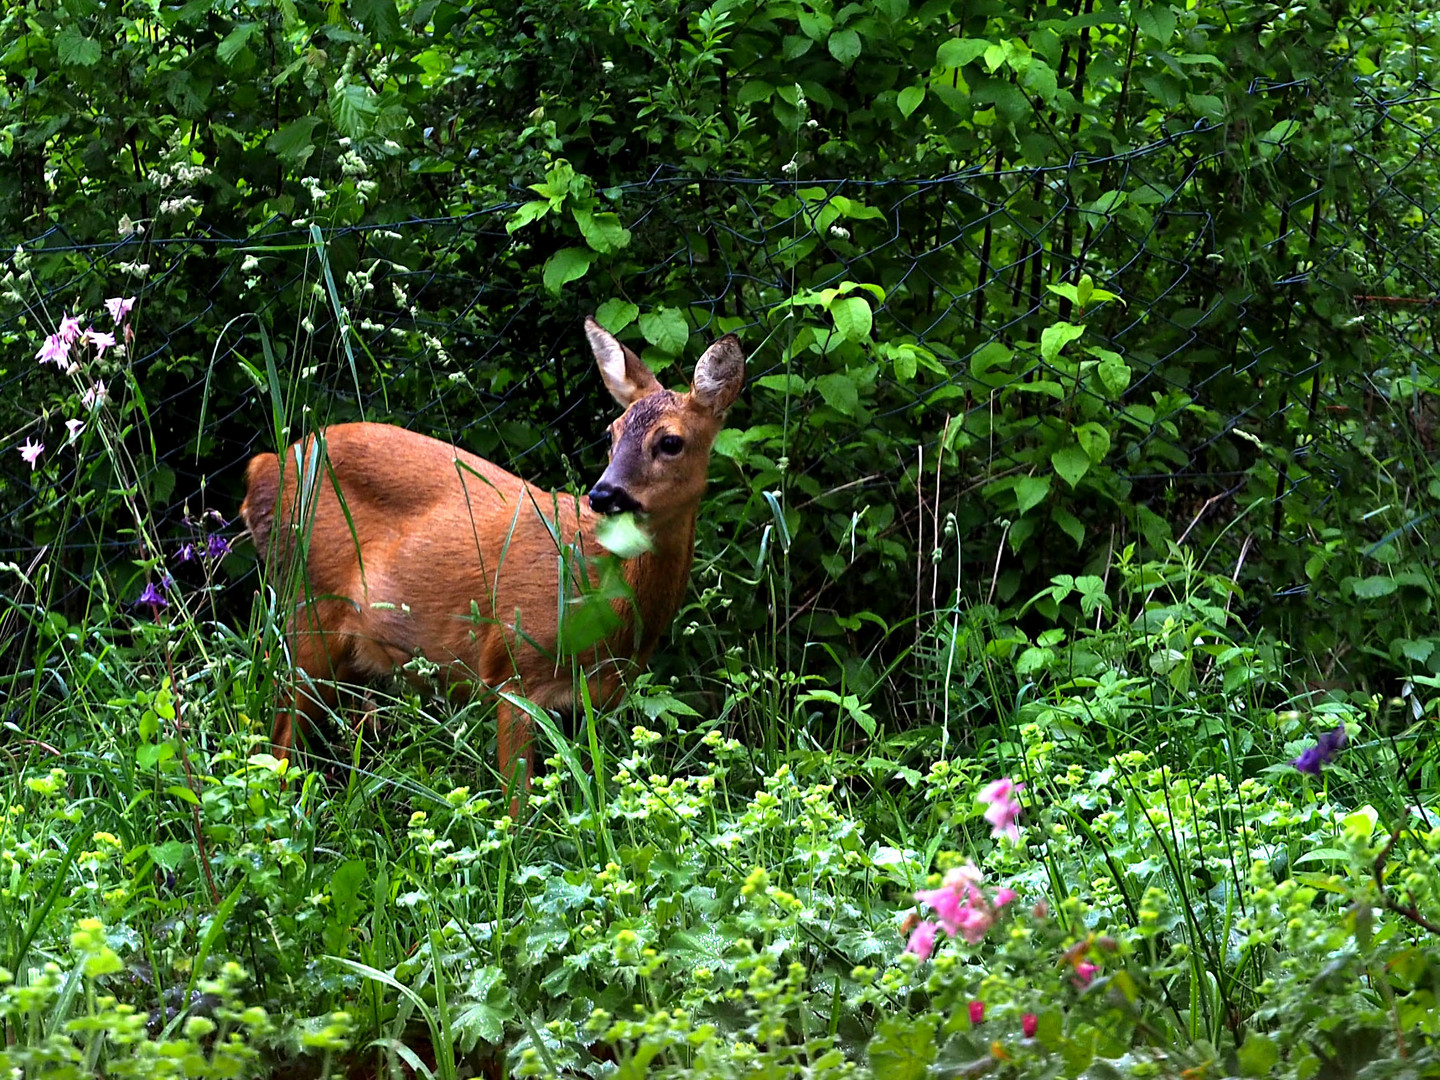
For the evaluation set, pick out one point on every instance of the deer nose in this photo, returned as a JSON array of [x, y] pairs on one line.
[[606, 498]]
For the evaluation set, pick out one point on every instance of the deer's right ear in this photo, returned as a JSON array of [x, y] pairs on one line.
[[625, 374]]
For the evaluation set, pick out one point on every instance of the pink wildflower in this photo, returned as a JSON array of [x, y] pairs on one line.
[[977, 1012], [922, 940], [94, 397], [965, 879], [119, 308], [69, 328], [1003, 809], [75, 427], [31, 452], [948, 906], [55, 350], [1084, 972], [974, 923], [1005, 897], [101, 341], [1029, 1024]]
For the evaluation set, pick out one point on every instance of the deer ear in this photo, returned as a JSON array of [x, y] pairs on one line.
[[625, 374], [719, 375]]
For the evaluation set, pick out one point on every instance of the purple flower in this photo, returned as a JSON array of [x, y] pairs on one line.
[[154, 597], [186, 552], [1314, 758], [216, 546]]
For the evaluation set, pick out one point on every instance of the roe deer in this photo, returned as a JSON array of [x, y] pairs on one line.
[[404, 539]]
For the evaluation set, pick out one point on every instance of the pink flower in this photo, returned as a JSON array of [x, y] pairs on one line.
[[1085, 971], [119, 308], [977, 1012], [31, 452], [75, 427], [948, 906], [965, 879], [69, 328], [1029, 1024], [94, 397], [55, 350], [975, 922], [999, 790], [922, 940], [1003, 809], [101, 341], [1005, 897]]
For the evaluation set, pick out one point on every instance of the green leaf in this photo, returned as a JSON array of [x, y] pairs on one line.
[[564, 266], [1055, 337], [292, 143], [75, 48], [1071, 464], [533, 210], [353, 108], [993, 354], [1375, 587], [1114, 372], [844, 46], [1039, 78], [1206, 105], [852, 317], [602, 231], [1069, 524], [903, 1047], [1095, 439], [789, 383], [754, 90], [183, 793], [666, 329], [1258, 1055], [1030, 491], [622, 535], [1157, 21], [379, 17], [839, 392], [957, 52], [615, 315], [909, 100], [234, 41]]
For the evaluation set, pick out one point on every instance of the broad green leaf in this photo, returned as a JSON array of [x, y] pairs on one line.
[[1039, 78], [615, 315], [909, 100], [1206, 105], [1071, 464], [1114, 372], [1055, 337], [353, 109], [754, 90], [1375, 587], [564, 266], [380, 18], [1258, 1055], [993, 354], [622, 535], [602, 231], [1157, 21], [533, 210], [844, 46], [783, 384], [1069, 524], [903, 1047], [839, 392], [957, 52], [292, 143], [234, 41], [1095, 439], [666, 329], [852, 317], [74, 47], [1030, 491]]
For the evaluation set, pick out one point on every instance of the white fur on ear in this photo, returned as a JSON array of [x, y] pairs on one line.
[[609, 354]]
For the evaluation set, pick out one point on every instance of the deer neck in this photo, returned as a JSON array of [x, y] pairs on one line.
[[658, 579]]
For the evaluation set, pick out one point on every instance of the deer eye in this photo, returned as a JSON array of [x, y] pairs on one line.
[[671, 444]]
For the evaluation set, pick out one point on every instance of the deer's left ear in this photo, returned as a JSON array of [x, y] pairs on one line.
[[719, 375], [625, 374]]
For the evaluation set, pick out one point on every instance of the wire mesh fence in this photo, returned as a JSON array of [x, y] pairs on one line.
[[1234, 364]]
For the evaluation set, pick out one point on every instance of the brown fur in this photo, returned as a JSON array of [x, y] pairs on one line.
[[435, 528]]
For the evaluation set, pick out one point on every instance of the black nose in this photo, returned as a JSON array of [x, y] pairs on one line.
[[606, 498]]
